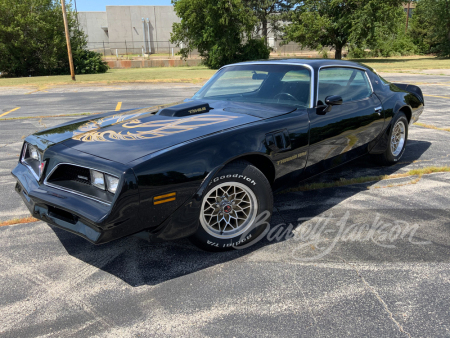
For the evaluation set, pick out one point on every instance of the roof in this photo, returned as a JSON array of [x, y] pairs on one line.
[[315, 63]]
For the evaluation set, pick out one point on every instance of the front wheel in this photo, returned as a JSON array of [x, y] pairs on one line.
[[235, 199], [398, 138]]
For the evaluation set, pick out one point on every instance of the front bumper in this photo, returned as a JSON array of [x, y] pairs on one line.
[[87, 218]]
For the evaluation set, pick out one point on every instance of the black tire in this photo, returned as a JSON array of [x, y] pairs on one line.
[[244, 182], [389, 157]]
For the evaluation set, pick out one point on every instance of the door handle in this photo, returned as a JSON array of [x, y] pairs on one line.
[[378, 110]]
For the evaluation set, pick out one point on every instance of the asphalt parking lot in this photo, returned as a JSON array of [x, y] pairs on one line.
[[335, 277]]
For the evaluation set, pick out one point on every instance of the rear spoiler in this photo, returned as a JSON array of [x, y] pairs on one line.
[[412, 89]]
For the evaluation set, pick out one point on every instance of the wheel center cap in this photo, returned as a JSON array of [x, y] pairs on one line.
[[227, 208]]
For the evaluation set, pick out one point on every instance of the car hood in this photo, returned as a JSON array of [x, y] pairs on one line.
[[125, 136]]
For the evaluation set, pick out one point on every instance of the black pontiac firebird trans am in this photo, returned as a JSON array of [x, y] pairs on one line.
[[205, 168]]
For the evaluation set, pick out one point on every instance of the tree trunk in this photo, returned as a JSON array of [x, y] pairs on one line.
[[338, 54], [264, 29]]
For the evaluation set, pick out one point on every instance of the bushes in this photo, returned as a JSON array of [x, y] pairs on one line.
[[388, 43], [33, 42], [399, 45], [254, 49], [218, 56], [430, 27], [89, 62], [357, 53]]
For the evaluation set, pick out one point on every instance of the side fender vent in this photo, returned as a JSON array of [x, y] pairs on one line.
[[278, 141]]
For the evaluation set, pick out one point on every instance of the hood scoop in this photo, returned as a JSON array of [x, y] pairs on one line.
[[185, 109]]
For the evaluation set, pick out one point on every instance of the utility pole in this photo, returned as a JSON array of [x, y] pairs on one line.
[[69, 47], [407, 16]]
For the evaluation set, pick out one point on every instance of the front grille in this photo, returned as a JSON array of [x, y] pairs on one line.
[[67, 172], [77, 180]]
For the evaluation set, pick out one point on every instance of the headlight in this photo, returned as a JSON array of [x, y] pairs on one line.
[[104, 181], [98, 179], [34, 153], [32, 158], [112, 183]]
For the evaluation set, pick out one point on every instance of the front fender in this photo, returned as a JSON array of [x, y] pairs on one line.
[[188, 168]]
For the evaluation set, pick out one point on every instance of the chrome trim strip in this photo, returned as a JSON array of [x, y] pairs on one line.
[[311, 102], [77, 193], [342, 66], [370, 82], [73, 191]]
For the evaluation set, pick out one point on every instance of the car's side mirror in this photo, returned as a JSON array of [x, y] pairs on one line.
[[332, 100]]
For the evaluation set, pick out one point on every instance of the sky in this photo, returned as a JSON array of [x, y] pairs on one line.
[[100, 5]]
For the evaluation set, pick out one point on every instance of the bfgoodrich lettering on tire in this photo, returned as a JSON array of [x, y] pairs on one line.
[[230, 206]]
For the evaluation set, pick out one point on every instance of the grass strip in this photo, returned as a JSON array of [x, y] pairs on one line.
[[47, 116], [430, 126], [25, 220], [364, 179], [196, 74], [406, 63]]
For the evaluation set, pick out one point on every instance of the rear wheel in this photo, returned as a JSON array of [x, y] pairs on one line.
[[398, 138], [231, 205]]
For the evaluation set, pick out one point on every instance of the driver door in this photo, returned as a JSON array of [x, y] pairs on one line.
[[344, 132]]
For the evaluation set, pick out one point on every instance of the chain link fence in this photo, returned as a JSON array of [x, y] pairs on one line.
[[136, 48], [165, 49]]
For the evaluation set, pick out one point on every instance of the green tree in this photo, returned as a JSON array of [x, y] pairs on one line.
[[420, 29], [430, 26], [334, 23], [221, 31], [32, 40], [392, 40], [268, 13]]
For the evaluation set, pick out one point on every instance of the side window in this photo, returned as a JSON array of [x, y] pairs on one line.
[[349, 83]]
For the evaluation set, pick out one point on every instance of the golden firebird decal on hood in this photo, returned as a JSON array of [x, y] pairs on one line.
[[90, 132]]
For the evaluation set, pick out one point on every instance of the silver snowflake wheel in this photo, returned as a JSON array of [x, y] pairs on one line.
[[398, 138], [228, 210]]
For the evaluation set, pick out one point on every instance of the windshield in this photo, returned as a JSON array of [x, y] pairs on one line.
[[263, 83]]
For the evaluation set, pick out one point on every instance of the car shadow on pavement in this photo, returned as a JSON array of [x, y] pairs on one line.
[[366, 166], [138, 262]]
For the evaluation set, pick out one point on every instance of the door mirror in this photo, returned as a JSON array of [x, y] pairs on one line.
[[333, 100], [330, 101]]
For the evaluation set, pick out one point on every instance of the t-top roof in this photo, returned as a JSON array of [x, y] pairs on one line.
[[315, 63]]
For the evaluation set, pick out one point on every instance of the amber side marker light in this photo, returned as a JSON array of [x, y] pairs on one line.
[[164, 198]]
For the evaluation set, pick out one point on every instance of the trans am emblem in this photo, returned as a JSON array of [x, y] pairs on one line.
[[91, 131]]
